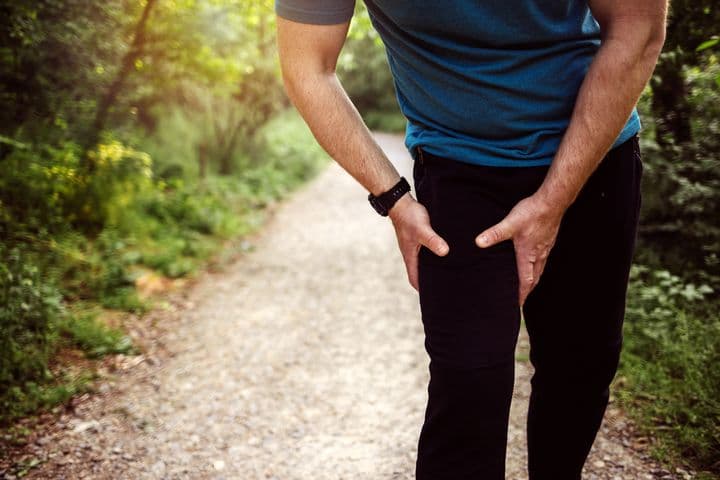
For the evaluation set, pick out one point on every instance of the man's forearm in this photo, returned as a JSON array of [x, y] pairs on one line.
[[612, 86], [340, 130]]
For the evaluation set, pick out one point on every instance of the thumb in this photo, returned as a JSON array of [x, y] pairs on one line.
[[433, 241], [495, 234]]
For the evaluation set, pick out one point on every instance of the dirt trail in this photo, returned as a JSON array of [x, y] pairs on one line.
[[302, 360]]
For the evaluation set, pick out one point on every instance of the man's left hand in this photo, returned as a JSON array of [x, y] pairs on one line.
[[533, 226]]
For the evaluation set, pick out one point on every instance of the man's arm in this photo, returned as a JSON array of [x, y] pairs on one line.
[[633, 33], [308, 58]]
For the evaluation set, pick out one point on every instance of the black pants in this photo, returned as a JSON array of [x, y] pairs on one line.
[[471, 317]]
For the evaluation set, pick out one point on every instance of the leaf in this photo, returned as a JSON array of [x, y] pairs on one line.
[[707, 44]]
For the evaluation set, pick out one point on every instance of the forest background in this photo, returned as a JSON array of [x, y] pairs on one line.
[[142, 140]]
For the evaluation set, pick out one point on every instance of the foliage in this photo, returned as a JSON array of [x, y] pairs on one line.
[[90, 93], [385, 121], [84, 86], [32, 309], [128, 145], [672, 335], [363, 67], [55, 56], [94, 337], [691, 23], [672, 327], [45, 188], [30, 306], [65, 61], [170, 225], [35, 396], [681, 195]]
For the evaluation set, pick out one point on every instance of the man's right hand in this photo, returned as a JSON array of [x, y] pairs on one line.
[[308, 58], [413, 230]]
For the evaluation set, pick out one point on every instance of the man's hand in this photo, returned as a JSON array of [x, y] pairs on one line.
[[533, 227], [633, 33], [413, 230]]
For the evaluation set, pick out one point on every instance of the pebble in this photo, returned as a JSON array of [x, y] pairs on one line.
[[92, 425], [43, 441]]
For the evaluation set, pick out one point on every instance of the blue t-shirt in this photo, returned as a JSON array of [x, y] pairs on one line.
[[489, 82]]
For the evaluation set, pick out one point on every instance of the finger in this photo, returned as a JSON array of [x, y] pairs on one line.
[[429, 238], [525, 276], [538, 268], [411, 265], [524, 292], [493, 235]]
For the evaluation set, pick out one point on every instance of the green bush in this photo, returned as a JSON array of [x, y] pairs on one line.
[[389, 121], [82, 205], [94, 337], [187, 206], [172, 145], [47, 188], [33, 325], [32, 396], [78, 237], [672, 343], [111, 281], [681, 186], [673, 326], [29, 306], [363, 67], [28, 309]]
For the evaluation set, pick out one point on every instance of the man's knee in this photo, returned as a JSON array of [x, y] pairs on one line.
[[582, 369]]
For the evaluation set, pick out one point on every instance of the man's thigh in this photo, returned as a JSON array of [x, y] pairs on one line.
[[469, 298], [579, 303]]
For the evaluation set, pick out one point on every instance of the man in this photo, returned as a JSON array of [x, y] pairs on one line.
[[522, 124]]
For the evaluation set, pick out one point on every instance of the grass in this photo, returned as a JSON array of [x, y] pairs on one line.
[[94, 337], [37, 396], [667, 380]]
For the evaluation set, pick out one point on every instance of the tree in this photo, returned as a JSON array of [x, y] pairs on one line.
[[110, 97], [690, 23]]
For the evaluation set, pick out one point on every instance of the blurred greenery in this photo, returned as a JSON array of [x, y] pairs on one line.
[[364, 72], [667, 379], [141, 136], [672, 338], [135, 137]]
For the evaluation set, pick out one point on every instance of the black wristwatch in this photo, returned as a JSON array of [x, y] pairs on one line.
[[385, 201]]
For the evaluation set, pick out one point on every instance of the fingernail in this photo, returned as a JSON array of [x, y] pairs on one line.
[[483, 240]]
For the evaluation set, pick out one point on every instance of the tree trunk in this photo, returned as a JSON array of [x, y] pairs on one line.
[[669, 102], [110, 97]]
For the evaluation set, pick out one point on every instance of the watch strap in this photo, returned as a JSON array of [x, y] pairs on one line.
[[384, 202]]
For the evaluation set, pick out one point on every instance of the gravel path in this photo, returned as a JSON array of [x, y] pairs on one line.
[[304, 359]]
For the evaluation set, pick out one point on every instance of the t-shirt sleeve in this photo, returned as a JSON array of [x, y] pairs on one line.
[[320, 12]]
